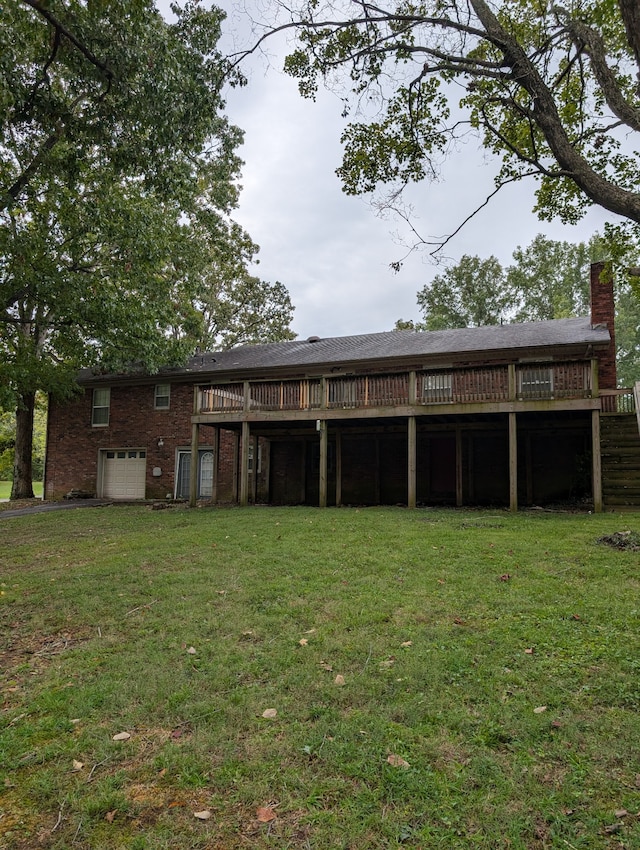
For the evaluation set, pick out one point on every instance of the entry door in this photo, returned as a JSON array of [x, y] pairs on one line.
[[124, 473], [205, 474]]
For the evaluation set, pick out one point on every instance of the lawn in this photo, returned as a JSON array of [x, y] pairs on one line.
[[5, 489], [304, 678]]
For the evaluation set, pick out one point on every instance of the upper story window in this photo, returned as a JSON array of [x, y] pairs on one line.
[[438, 387], [100, 407], [535, 382], [162, 396]]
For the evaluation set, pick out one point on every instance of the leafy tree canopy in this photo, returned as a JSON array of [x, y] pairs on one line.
[[551, 89], [118, 177], [548, 280]]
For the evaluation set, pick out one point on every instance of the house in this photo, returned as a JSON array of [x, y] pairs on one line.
[[517, 414]]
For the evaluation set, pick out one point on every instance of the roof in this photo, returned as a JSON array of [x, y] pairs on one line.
[[393, 345]]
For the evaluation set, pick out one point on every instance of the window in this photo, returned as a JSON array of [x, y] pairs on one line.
[[100, 408], [162, 396], [536, 382], [438, 387]]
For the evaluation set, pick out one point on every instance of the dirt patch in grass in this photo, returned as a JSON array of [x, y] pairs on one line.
[[37, 649], [629, 540]]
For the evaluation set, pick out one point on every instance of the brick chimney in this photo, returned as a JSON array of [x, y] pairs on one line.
[[603, 315]]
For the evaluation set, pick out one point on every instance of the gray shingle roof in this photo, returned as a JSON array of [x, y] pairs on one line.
[[400, 344], [430, 345]]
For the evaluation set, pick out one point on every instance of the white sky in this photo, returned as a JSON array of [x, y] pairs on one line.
[[330, 250]]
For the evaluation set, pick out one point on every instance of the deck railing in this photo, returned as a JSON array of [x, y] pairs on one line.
[[620, 400], [522, 381]]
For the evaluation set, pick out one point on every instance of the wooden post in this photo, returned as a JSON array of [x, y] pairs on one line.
[[244, 465], [513, 462], [513, 387], [324, 434], [338, 468], [412, 388], [597, 461], [411, 461], [193, 476], [595, 380], [216, 464], [458, 467], [247, 396]]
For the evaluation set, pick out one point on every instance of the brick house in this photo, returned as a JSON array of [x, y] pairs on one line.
[[515, 414]]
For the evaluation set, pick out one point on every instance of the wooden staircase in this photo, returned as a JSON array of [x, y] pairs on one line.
[[620, 448]]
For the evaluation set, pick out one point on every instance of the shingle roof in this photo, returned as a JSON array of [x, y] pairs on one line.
[[391, 345], [399, 344]]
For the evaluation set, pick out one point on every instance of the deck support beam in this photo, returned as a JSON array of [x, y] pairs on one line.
[[411, 461], [597, 461], [513, 462], [324, 442]]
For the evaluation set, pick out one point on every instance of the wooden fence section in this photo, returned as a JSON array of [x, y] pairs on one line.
[[528, 381]]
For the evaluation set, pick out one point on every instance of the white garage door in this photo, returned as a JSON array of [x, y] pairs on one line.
[[124, 473]]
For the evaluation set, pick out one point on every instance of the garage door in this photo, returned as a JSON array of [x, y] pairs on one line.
[[124, 473]]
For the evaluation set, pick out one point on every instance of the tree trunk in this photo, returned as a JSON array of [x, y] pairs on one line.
[[22, 472]]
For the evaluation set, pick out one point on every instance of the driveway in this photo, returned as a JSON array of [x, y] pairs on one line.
[[39, 507]]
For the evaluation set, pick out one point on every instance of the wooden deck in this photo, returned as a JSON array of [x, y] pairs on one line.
[[502, 388]]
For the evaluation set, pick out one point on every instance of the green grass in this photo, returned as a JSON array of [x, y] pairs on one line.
[[5, 489], [451, 630]]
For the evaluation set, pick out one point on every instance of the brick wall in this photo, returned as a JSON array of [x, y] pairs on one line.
[[603, 313], [73, 445]]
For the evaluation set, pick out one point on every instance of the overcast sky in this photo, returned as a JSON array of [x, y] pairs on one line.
[[330, 250]]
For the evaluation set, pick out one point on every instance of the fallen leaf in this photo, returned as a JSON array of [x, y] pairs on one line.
[[121, 736], [303, 641], [326, 666], [458, 621], [540, 709], [75, 720], [221, 592], [339, 680], [163, 772], [407, 643], [388, 663], [528, 651], [264, 814], [77, 765], [177, 733], [575, 616], [204, 815], [505, 577], [110, 816], [440, 581], [620, 813], [310, 632], [397, 761], [192, 650], [270, 713]]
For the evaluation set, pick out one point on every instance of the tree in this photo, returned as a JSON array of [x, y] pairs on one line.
[[118, 176], [551, 89], [548, 280], [468, 294]]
